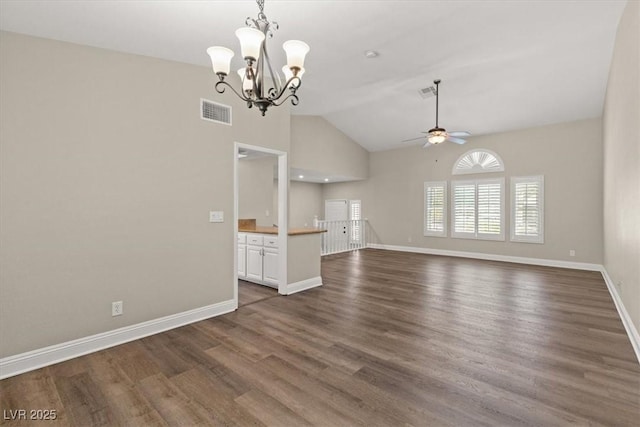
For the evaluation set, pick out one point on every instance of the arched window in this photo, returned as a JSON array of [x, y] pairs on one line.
[[478, 161], [478, 204]]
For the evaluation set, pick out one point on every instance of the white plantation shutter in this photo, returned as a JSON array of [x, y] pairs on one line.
[[490, 209], [435, 208], [527, 209], [355, 215], [354, 208], [478, 209], [464, 209]]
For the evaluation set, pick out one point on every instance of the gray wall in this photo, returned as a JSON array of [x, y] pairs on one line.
[[107, 176], [256, 192], [622, 164], [317, 145], [303, 257], [305, 201], [569, 155]]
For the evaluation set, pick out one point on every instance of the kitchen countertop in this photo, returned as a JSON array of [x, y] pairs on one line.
[[274, 230]]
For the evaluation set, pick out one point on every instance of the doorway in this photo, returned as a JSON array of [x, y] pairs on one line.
[[282, 205]]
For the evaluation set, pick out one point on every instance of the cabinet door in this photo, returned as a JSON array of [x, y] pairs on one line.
[[270, 271], [242, 261], [254, 263]]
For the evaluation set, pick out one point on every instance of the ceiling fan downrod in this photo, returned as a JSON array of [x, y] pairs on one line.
[[437, 82]]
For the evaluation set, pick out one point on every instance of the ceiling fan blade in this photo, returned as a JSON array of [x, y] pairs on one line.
[[427, 144], [456, 140], [412, 139], [460, 133]]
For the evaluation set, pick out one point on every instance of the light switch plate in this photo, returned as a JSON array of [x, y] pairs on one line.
[[216, 216]]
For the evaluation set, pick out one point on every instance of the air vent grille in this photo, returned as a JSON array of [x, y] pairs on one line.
[[215, 112], [427, 92]]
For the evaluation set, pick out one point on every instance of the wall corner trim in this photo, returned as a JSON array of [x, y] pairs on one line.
[[632, 332], [629, 327], [29, 361], [303, 285]]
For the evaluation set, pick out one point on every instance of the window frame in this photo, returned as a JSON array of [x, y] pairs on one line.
[[445, 204], [355, 232], [476, 235], [459, 169], [539, 238]]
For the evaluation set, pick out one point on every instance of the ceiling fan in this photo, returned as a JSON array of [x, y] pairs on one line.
[[437, 134]]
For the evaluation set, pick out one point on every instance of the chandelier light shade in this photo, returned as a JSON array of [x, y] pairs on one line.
[[296, 51], [250, 42], [220, 59], [253, 48]]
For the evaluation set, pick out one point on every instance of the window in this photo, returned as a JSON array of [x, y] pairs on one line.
[[527, 209], [355, 215], [478, 161], [435, 208], [478, 209]]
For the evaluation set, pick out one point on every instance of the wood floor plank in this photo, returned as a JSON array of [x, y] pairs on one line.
[[84, 402], [296, 399], [131, 408], [217, 395], [252, 292], [390, 339], [133, 360], [175, 408], [269, 410]]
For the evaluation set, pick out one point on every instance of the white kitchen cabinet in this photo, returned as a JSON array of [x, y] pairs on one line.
[[254, 263], [242, 261], [260, 259], [270, 266], [242, 255]]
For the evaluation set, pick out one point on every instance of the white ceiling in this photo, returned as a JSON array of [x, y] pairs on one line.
[[504, 65]]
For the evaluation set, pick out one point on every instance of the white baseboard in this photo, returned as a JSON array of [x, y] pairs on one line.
[[24, 362], [632, 332], [303, 285], [492, 257]]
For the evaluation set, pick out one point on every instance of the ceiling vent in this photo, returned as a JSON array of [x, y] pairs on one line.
[[215, 112], [427, 92]]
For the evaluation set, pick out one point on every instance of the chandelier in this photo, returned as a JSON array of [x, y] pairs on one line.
[[254, 51]]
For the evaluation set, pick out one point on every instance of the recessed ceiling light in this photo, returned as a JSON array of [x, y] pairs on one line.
[[326, 180], [371, 54], [300, 176]]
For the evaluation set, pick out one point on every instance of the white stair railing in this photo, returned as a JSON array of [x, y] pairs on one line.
[[343, 236]]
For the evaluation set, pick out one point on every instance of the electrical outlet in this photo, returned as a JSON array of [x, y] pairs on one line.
[[572, 252], [619, 284], [117, 308], [409, 239]]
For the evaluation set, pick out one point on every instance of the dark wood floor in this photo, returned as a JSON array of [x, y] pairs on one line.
[[391, 339], [249, 293]]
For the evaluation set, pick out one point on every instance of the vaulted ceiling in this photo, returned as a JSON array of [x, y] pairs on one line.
[[504, 65]]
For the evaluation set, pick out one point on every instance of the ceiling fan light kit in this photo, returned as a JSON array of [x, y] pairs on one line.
[[253, 49], [437, 135]]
